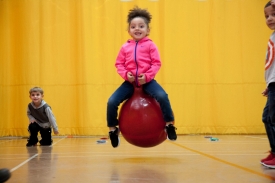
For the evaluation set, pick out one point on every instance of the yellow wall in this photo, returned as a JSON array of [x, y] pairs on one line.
[[213, 54]]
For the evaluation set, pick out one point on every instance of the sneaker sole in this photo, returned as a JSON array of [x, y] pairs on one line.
[[262, 163], [171, 139], [269, 166]]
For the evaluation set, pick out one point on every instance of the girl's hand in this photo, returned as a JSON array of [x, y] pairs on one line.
[[56, 132], [130, 77], [265, 92], [142, 79]]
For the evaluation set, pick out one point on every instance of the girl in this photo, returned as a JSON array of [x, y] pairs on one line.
[[137, 63]]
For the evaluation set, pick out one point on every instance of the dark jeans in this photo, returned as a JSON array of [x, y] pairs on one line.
[[46, 136], [269, 116], [126, 90]]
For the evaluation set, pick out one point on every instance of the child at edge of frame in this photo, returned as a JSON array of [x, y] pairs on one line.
[[268, 116], [138, 62], [41, 119]]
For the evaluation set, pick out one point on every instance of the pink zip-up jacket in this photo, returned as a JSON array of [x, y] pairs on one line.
[[137, 58]]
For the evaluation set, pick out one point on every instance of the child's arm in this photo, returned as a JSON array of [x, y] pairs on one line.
[[31, 118], [120, 65], [52, 120], [155, 64]]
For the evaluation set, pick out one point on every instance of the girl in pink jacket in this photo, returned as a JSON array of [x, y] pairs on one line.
[[137, 63]]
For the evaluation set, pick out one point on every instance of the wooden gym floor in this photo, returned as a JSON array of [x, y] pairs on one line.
[[192, 158]]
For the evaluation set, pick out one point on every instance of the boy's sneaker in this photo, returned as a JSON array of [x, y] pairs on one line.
[[42, 143], [171, 132], [30, 144], [268, 158], [114, 137], [270, 163]]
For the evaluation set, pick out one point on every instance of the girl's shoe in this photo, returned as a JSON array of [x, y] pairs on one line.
[[171, 132], [114, 137]]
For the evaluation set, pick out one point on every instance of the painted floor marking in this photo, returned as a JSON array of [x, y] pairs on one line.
[[225, 162], [26, 161]]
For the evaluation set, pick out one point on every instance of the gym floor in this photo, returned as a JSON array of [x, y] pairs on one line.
[[192, 158]]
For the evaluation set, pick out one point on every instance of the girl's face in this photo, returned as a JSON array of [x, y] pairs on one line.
[[138, 29], [270, 17], [36, 98]]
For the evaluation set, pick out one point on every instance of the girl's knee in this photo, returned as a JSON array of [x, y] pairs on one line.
[[111, 102], [162, 96]]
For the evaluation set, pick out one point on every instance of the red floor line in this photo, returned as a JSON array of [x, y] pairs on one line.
[[225, 162]]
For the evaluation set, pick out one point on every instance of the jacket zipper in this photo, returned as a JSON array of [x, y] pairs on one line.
[[136, 80]]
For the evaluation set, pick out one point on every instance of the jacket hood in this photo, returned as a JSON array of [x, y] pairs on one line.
[[41, 105]]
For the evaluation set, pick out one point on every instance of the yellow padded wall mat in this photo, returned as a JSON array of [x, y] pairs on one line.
[[212, 52]]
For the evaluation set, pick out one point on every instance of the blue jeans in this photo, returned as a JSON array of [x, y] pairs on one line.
[[126, 90], [269, 116]]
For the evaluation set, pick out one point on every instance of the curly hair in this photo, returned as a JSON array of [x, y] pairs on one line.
[[268, 4], [138, 12]]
